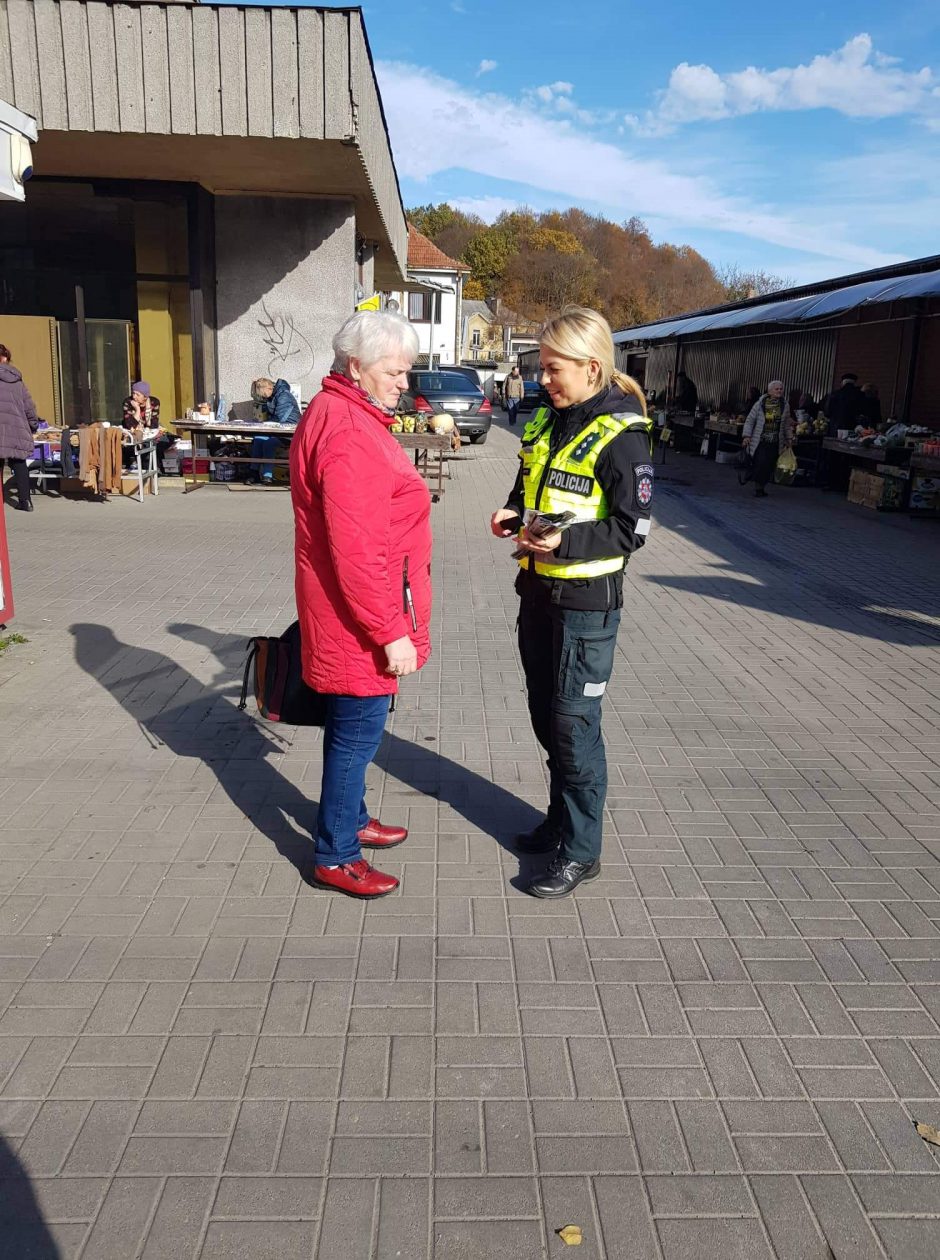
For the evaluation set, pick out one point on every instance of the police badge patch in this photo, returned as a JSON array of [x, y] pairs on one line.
[[643, 482]]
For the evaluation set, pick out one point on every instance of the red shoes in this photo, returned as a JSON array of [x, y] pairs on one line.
[[376, 836], [359, 879], [356, 879]]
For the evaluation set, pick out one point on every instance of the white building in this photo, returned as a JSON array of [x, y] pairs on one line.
[[432, 299]]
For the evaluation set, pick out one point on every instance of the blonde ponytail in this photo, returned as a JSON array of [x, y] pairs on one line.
[[581, 334], [629, 386]]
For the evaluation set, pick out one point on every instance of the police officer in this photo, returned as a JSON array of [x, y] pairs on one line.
[[589, 453]]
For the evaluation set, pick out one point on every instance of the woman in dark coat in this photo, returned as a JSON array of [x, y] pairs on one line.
[[17, 418]]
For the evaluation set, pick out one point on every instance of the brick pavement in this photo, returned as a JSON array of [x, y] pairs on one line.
[[714, 1050]]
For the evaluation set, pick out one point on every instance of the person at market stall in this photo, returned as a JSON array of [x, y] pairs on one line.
[[141, 414], [767, 433], [844, 406], [362, 556], [753, 394], [276, 402], [686, 393], [871, 405], [806, 404], [17, 420], [588, 452]]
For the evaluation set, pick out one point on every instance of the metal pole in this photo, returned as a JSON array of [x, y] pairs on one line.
[[84, 375], [911, 371]]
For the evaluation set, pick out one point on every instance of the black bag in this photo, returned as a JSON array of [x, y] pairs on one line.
[[280, 691]]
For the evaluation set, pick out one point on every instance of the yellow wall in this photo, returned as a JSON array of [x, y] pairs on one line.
[[30, 337], [165, 346]]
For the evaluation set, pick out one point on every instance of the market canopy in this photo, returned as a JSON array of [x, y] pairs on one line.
[[795, 310]]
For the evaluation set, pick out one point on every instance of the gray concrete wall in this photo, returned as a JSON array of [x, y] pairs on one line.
[[206, 70], [285, 275]]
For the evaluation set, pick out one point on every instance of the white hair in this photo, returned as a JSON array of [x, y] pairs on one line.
[[773, 383], [371, 335]]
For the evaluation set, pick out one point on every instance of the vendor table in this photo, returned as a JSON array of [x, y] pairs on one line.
[[236, 428], [421, 443], [867, 457]]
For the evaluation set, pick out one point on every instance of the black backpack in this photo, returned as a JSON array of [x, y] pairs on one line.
[[280, 691]]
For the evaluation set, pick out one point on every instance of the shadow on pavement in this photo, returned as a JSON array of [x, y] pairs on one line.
[[198, 720], [792, 578], [24, 1234]]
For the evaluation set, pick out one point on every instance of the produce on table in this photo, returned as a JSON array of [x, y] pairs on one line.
[[397, 426]]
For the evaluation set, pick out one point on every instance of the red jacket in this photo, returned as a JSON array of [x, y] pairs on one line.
[[361, 510]]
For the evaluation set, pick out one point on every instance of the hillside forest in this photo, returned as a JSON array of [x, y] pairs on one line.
[[538, 262]]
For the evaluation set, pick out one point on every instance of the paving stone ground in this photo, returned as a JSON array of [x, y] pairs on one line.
[[715, 1050]]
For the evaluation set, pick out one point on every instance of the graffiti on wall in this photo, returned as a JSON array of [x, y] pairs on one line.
[[291, 354]]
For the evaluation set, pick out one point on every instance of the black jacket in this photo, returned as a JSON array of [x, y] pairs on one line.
[[620, 469], [844, 407]]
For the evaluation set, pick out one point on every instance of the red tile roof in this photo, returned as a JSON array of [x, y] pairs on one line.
[[425, 255]]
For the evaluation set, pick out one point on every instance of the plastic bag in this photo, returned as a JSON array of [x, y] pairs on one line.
[[786, 468]]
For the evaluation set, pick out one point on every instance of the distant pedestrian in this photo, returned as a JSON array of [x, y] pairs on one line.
[[768, 431], [513, 393], [17, 420], [362, 556]]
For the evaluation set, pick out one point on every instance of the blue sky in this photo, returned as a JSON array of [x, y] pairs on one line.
[[801, 138]]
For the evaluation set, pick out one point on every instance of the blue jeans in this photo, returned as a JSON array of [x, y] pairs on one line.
[[351, 738], [512, 406], [266, 448]]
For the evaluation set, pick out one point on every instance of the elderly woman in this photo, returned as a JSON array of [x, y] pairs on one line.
[[17, 421], [768, 431], [275, 402], [362, 558], [588, 455]]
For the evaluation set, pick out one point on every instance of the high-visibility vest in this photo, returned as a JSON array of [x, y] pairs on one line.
[[565, 482]]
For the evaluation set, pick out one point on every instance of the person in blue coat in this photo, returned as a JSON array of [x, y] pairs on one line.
[[275, 402]]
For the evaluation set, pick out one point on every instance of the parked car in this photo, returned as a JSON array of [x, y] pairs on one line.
[[451, 391], [533, 396], [469, 372]]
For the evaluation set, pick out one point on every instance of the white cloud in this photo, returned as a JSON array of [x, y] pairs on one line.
[[558, 98], [488, 208], [438, 125], [486, 66], [855, 80]]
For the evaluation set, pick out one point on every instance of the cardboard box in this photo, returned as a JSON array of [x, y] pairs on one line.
[[865, 489]]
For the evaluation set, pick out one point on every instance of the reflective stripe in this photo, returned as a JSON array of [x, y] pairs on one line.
[[642, 527], [565, 482]]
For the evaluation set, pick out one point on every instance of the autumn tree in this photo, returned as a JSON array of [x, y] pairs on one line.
[[539, 262], [740, 284]]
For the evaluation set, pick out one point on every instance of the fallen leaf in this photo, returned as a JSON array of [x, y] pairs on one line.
[[571, 1234], [928, 1132]]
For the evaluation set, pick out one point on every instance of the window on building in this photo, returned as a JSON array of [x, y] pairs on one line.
[[475, 337], [419, 307]]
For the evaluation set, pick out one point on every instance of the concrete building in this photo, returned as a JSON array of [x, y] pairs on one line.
[[214, 193]]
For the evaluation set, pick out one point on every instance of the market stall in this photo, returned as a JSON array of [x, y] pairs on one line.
[[215, 450]]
